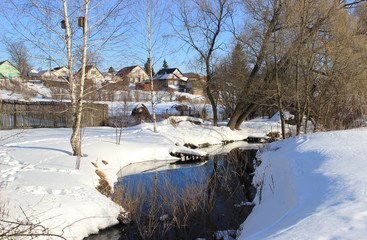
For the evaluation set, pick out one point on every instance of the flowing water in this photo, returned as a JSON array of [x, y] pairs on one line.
[[184, 200]]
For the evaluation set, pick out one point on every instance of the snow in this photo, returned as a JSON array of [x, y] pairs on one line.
[[314, 185], [38, 174], [314, 188]]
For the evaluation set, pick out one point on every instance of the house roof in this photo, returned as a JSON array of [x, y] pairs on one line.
[[4, 62], [167, 71], [58, 68], [126, 70], [1, 63], [87, 69], [40, 73], [33, 71], [163, 76], [169, 76]]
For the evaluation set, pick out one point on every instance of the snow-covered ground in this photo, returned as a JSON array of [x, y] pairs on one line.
[[39, 180], [310, 187], [314, 188]]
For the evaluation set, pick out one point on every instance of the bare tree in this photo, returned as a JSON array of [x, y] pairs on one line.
[[231, 74], [293, 42], [326, 58], [150, 15], [265, 19], [339, 89], [52, 28], [202, 23], [19, 56]]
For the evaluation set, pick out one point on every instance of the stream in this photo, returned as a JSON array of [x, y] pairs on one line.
[[186, 200]]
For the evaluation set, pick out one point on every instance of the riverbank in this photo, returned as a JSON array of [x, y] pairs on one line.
[[40, 182], [311, 187]]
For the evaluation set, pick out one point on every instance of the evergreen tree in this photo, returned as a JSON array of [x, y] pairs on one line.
[[238, 64], [146, 67], [231, 75], [165, 65], [111, 70]]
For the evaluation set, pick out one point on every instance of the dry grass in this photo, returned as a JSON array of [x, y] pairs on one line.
[[146, 209], [100, 174], [103, 187], [29, 227], [173, 122]]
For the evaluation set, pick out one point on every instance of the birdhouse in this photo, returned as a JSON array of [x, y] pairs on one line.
[[81, 22], [63, 26]]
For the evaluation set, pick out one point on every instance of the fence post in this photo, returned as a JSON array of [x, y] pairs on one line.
[[15, 116], [105, 115]]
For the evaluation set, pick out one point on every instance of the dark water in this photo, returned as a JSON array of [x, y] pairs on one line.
[[184, 200]]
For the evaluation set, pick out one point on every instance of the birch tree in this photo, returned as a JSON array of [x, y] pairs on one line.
[[149, 15], [61, 33]]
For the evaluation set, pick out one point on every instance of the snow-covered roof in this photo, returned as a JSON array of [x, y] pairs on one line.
[[33, 71], [40, 73], [164, 76], [170, 76], [174, 87]]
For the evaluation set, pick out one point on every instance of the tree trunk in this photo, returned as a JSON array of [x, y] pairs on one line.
[[77, 91], [282, 122], [236, 115], [240, 108], [75, 138], [250, 108], [214, 105], [261, 55], [151, 67]]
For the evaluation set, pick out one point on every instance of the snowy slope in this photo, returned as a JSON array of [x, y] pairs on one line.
[[38, 179], [314, 188]]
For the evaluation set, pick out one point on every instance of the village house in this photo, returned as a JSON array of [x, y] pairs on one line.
[[8, 70], [92, 75], [109, 75], [131, 75], [55, 73], [170, 79], [32, 73], [195, 84]]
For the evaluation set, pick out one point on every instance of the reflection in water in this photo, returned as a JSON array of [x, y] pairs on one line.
[[174, 201]]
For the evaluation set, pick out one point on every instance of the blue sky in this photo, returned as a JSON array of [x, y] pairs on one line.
[[129, 50]]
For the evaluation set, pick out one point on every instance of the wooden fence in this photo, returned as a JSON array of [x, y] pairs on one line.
[[18, 114]]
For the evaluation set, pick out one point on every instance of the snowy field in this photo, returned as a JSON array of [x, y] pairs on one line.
[[309, 187], [39, 180]]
